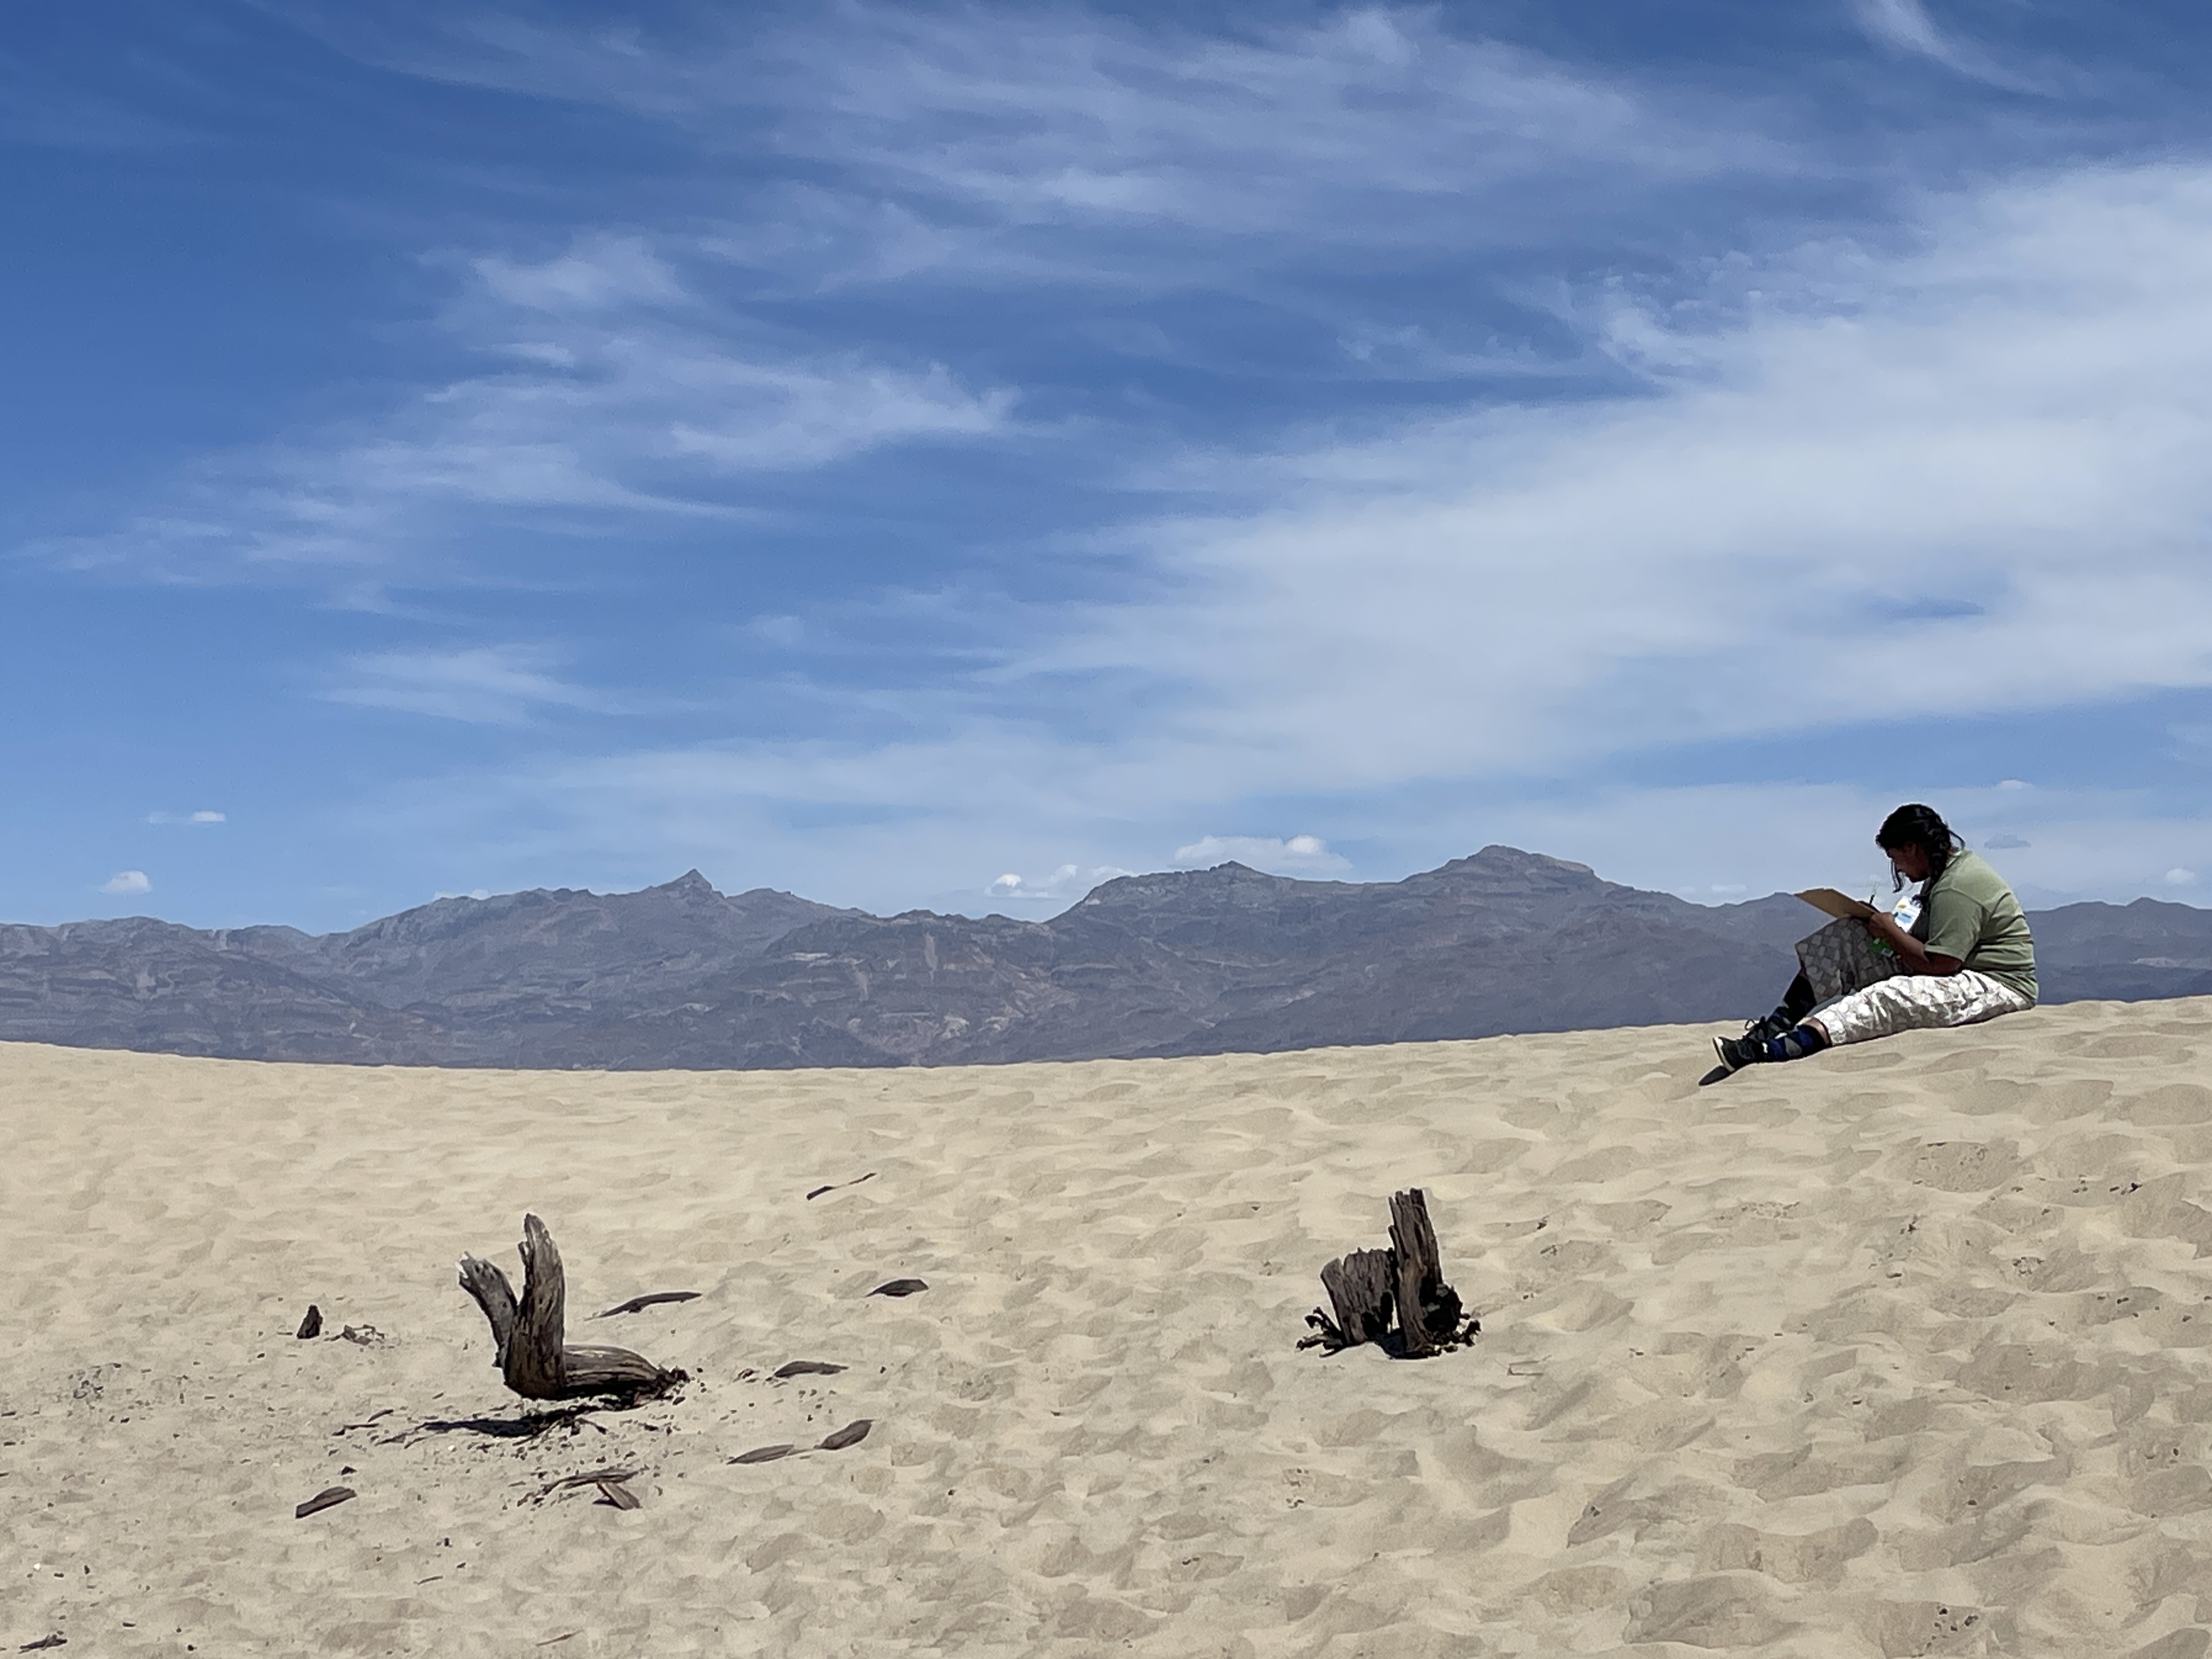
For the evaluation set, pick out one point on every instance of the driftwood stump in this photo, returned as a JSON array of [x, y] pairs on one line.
[[526, 1334], [1367, 1288]]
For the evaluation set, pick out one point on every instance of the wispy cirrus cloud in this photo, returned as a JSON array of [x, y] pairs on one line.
[[613, 401], [1961, 477], [1905, 25], [1041, 123], [1033, 440], [1956, 478], [1004, 147], [636, 381], [481, 685]]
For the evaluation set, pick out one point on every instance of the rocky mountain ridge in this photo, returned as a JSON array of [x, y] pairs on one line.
[[1200, 961]]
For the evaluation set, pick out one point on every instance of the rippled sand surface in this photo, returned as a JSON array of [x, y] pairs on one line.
[[1900, 1351]]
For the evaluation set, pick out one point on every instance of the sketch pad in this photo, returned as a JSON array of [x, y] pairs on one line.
[[1834, 903]]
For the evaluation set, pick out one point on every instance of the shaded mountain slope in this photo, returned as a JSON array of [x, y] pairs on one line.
[[148, 985], [2124, 952]]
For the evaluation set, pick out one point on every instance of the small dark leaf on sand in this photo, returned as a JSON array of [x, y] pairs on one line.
[[57, 1640], [851, 1435], [618, 1494], [312, 1325], [808, 1367], [652, 1301], [589, 1478], [764, 1454], [328, 1497], [900, 1287]]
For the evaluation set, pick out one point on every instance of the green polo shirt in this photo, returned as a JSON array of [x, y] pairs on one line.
[[1969, 913]]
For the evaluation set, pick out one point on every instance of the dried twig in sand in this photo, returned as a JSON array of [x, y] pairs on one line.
[[807, 1367], [654, 1300], [764, 1454], [588, 1477]]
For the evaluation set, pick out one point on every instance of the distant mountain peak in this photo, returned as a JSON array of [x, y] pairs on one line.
[[1499, 855], [689, 884]]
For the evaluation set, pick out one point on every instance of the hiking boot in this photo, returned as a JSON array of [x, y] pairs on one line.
[[1775, 1024], [1736, 1052]]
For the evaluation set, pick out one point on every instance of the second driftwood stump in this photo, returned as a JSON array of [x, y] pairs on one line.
[[1366, 1288], [532, 1356]]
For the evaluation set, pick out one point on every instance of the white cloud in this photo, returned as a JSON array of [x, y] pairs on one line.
[[490, 686], [1964, 479], [123, 882], [203, 817], [1957, 472], [809, 417], [617, 402], [1766, 838], [2178, 877], [1038, 121], [1905, 25], [1302, 855], [1059, 113], [1959, 479], [1069, 881], [639, 380], [597, 274]]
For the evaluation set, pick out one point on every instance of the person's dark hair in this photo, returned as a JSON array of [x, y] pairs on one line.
[[1915, 825]]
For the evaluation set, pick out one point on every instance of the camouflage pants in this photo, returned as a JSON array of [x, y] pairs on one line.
[[1914, 1002]]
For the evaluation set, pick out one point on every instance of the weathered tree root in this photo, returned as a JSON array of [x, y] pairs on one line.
[[527, 1334], [1366, 1288]]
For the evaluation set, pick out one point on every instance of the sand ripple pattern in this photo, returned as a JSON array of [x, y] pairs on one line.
[[1902, 1351]]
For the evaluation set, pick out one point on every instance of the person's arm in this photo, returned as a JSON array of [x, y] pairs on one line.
[[1917, 957]]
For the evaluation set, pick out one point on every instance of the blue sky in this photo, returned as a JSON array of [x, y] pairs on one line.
[[943, 455]]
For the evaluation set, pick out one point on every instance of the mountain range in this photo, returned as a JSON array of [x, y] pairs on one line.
[[1201, 962]]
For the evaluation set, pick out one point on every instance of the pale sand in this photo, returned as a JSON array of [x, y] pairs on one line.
[[1902, 1350]]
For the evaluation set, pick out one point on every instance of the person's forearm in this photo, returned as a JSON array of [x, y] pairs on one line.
[[1911, 951]]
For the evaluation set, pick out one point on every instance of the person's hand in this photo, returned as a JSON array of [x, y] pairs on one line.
[[1885, 928]]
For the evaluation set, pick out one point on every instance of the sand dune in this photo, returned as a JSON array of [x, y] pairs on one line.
[[1900, 1351]]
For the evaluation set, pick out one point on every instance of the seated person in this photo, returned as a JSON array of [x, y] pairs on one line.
[[1967, 956]]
